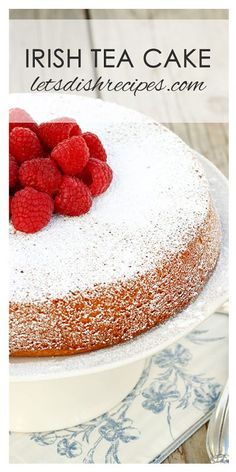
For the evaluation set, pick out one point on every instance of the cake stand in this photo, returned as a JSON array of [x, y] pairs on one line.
[[54, 393]]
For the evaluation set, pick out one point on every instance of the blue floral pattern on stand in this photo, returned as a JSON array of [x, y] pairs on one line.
[[69, 448], [174, 387]]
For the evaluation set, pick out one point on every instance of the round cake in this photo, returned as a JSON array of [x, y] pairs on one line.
[[140, 255]]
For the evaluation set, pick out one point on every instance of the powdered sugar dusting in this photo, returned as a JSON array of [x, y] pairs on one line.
[[158, 198], [213, 294]]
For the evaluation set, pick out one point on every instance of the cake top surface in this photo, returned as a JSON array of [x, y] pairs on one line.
[[158, 198]]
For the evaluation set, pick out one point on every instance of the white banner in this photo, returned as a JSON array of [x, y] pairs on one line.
[[172, 70]]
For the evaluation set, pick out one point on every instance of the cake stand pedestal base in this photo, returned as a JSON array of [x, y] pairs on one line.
[[59, 403]]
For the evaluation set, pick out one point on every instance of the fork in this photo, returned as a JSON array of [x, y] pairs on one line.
[[217, 440]]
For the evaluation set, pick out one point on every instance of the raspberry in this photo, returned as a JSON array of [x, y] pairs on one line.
[[73, 198], [13, 172], [31, 210], [95, 146], [71, 155], [41, 174], [19, 117], [10, 199], [53, 132], [97, 176], [24, 144]]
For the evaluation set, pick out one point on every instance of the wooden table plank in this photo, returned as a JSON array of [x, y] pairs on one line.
[[159, 14], [121, 14], [209, 139], [53, 14], [193, 451]]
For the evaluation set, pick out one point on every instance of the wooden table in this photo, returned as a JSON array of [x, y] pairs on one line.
[[209, 139]]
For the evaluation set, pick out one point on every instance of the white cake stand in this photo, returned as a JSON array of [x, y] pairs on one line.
[[54, 393]]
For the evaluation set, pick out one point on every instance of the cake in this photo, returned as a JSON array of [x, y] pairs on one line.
[[141, 254]]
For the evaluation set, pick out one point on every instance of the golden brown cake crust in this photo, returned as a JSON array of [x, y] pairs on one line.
[[115, 313]]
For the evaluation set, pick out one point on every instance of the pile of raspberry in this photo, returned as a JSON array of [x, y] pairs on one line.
[[53, 168]]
